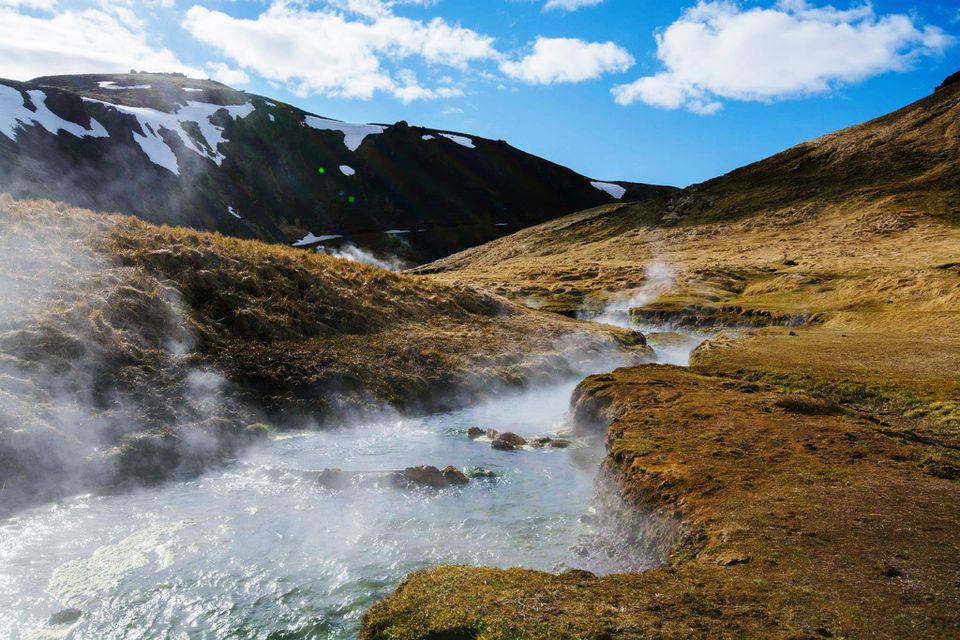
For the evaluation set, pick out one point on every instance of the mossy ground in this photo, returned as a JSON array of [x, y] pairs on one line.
[[795, 525], [814, 468]]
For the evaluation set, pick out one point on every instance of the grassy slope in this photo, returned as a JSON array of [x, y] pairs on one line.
[[850, 519], [117, 318]]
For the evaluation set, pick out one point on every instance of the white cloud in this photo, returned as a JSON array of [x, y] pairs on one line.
[[222, 72], [88, 41], [568, 60], [330, 52], [717, 50], [569, 5], [43, 5]]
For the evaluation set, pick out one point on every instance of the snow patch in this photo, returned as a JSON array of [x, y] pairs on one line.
[[192, 89], [15, 115], [613, 189], [347, 170], [353, 134], [152, 121], [234, 213], [272, 119], [309, 239], [429, 137], [110, 84], [396, 232], [460, 140]]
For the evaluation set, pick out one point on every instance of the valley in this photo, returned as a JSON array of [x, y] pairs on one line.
[[754, 378]]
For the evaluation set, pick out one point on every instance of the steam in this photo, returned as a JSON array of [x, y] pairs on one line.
[[96, 380], [659, 279], [350, 251]]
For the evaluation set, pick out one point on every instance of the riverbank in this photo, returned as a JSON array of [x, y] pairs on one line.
[[780, 515]]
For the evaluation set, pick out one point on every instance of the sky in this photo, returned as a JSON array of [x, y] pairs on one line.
[[658, 91]]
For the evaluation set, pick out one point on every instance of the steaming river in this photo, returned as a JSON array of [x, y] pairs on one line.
[[256, 551]]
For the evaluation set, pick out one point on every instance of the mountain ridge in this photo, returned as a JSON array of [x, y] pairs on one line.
[[197, 153]]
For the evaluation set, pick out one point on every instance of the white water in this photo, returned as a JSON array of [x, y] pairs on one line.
[[257, 550]]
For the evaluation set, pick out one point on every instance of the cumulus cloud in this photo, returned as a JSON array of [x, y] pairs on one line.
[[568, 60], [569, 5], [222, 72], [718, 50], [87, 41], [339, 51]]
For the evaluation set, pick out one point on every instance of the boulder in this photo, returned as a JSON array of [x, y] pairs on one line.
[[513, 439], [559, 444], [454, 476], [492, 434], [539, 443], [474, 432], [431, 477], [502, 445]]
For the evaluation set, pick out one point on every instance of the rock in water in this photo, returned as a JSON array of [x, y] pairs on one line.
[[65, 617], [480, 472], [513, 439], [559, 444], [432, 477], [492, 434], [540, 443], [474, 432], [454, 476], [502, 445]]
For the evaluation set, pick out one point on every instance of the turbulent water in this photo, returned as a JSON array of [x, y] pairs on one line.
[[259, 550]]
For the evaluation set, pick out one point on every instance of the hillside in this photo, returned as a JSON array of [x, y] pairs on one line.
[[800, 479], [196, 153], [132, 352]]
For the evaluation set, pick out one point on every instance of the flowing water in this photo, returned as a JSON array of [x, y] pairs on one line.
[[259, 550]]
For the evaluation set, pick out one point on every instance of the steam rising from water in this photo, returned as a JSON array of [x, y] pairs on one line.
[[350, 251], [260, 550], [90, 352], [659, 279]]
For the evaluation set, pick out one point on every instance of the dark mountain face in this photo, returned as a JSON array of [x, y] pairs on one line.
[[199, 154]]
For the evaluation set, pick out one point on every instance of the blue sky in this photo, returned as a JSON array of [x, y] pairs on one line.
[[661, 91]]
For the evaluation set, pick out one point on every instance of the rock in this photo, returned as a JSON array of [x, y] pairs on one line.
[[480, 472], [331, 479], [539, 443], [474, 432], [560, 444], [492, 434], [432, 477], [454, 476], [67, 616], [513, 439], [502, 445], [257, 431], [891, 571], [790, 263], [731, 558]]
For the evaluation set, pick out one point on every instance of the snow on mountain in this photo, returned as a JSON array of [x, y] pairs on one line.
[[152, 122], [14, 115], [353, 134], [613, 189]]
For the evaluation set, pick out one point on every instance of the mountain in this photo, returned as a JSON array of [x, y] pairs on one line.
[[822, 201], [197, 153]]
